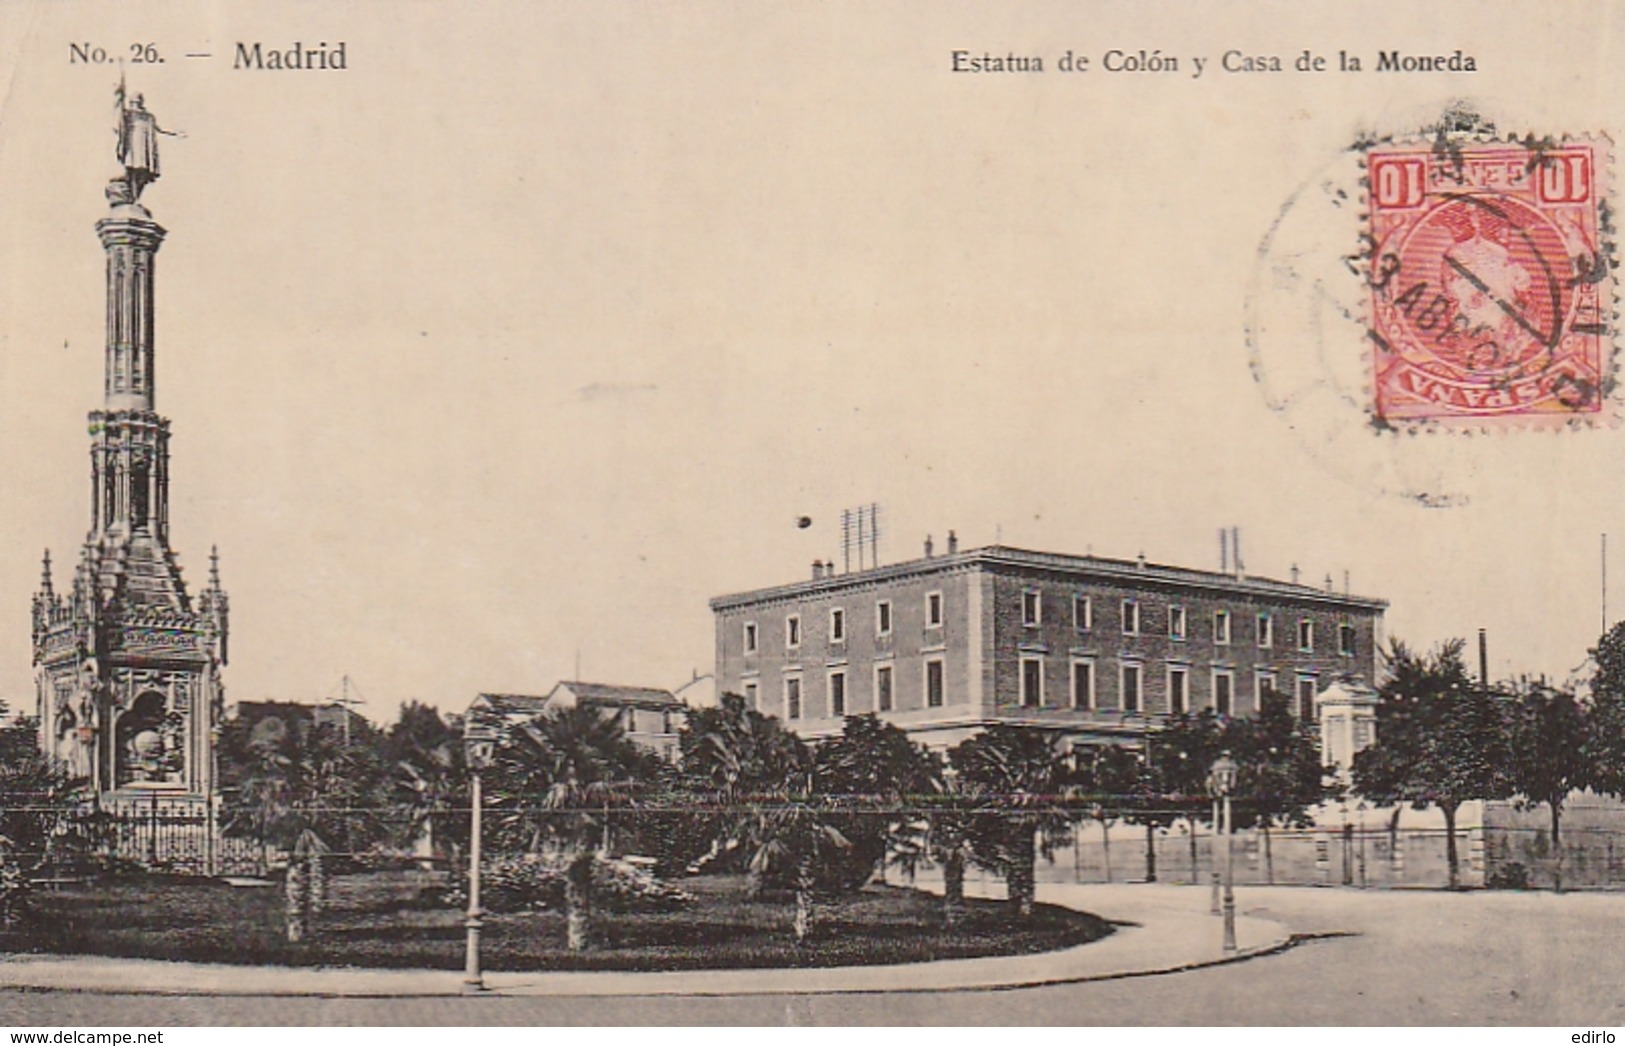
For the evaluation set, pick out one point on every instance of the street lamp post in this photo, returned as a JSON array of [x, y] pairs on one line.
[[479, 742], [1213, 846], [1223, 780]]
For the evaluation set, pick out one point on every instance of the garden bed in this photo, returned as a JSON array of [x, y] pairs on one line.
[[390, 920]]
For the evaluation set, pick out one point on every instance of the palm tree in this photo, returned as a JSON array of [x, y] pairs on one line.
[[1024, 782], [949, 836], [793, 829], [566, 778], [731, 755], [428, 777], [876, 771]]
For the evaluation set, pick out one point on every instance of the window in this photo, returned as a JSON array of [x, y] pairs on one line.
[[1131, 617], [1083, 613], [792, 698], [1130, 675], [1179, 690], [1264, 684], [750, 637], [1083, 684], [750, 697], [1266, 631], [837, 694], [933, 683], [792, 631], [1176, 622], [837, 625], [933, 609], [1221, 627], [1306, 636], [629, 719], [1224, 683], [1345, 640], [1032, 607], [1032, 682], [1306, 698], [883, 688], [883, 618], [1362, 733]]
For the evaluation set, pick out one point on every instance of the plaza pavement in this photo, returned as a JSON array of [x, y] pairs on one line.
[[1161, 929]]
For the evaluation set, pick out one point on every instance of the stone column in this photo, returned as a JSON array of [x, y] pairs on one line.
[[131, 239]]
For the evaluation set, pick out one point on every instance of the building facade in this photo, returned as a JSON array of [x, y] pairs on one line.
[[1101, 648], [127, 664]]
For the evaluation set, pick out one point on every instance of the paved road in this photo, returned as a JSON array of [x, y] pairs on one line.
[[1414, 958]]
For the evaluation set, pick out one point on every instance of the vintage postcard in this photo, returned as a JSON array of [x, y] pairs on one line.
[[533, 513]]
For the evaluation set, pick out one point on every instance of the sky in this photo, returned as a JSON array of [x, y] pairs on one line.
[[505, 348]]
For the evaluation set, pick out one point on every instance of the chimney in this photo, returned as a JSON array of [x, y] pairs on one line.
[[818, 569], [1235, 552], [953, 542], [928, 546], [1484, 660], [1224, 552], [1345, 582], [1142, 561], [1294, 573], [1329, 587]]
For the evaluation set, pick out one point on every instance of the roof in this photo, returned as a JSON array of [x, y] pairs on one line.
[[513, 704], [1001, 557], [611, 694], [570, 692]]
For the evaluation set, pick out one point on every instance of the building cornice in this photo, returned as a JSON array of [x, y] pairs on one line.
[[1004, 560]]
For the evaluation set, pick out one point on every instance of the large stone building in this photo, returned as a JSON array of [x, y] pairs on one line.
[[127, 664], [944, 645]]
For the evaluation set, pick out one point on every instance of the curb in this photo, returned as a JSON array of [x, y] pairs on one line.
[[1153, 939]]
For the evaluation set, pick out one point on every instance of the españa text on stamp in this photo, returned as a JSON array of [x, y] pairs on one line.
[[1491, 289]]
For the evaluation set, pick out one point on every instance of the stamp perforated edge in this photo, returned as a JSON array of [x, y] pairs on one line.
[[1461, 128]]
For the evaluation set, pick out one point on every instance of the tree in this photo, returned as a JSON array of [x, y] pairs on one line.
[[1280, 777], [429, 779], [1163, 782], [1605, 741], [1440, 740], [1550, 758], [1023, 779], [874, 770], [949, 835], [942, 812], [568, 778], [42, 822], [1186, 748], [732, 754], [284, 774], [794, 829], [1110, 777]]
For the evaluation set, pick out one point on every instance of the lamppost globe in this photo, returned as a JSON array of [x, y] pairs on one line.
[[479, 743]]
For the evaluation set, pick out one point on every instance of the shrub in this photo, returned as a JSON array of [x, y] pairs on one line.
[[1509, 876], [526, 882]]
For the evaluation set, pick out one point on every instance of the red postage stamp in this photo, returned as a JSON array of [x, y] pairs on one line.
[[1491, 281]]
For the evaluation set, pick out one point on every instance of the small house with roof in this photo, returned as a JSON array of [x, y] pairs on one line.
[[651, 717]]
